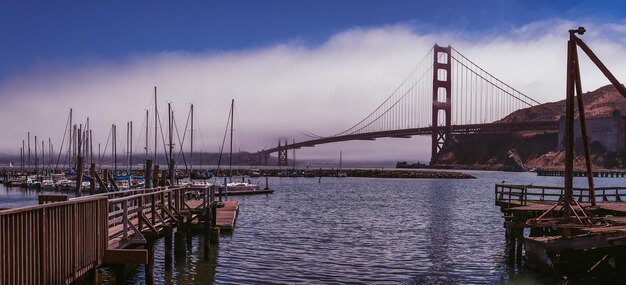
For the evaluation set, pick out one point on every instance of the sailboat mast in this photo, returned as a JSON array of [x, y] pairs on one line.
[[114, 146], [191, 147], [69, 145], [230, 166], [43, 155], [28, 151], [23, 147], [169, 125], [128, 146], [50, 153], [146, 147], [36, 163], [156, 124], [90, 146], [171, 133]]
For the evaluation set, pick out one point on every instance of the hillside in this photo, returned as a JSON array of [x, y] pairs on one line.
[[526, 150], [599, 103]]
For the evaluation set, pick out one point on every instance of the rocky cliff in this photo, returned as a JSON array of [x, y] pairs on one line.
[[526, 150]]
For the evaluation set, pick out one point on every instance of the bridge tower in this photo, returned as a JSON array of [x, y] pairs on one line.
[[282, 155], [263, 158], [442, 103]]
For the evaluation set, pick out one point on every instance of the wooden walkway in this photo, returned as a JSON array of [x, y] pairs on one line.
[[226, 213], [59, 241]]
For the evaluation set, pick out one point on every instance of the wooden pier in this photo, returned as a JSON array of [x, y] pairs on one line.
[[585, 248], [59, 242], [603, 173]]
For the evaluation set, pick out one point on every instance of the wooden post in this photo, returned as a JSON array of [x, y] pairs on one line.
[[215, 231], [120, 274], [171, 171], [168, 248], [106, 178], [155, 176], [148, 174], [179, 245], [92, 181], [79, 174], [205, 235], [149, 272], [164, 178]]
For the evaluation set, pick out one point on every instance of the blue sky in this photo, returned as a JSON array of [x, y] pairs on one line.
[[292, 66], [53, 32]]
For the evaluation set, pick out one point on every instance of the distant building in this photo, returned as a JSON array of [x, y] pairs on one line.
[[608, 131]]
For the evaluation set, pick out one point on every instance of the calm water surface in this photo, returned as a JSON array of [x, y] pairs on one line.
[[356, 230]]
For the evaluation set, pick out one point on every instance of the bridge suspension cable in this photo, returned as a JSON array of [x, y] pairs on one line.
[[478, 97]]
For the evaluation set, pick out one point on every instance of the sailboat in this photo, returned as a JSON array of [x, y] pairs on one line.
[[11, 164], [231, 186]]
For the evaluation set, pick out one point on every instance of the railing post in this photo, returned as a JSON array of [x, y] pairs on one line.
[[153, 208], [125, 220], [139, 213], [510, 189]]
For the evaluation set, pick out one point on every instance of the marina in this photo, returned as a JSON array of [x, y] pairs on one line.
[[283, 143]]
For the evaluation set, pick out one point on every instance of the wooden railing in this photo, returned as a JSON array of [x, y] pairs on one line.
[[130, 216], [520, 195], [58, 242], [54, 243]]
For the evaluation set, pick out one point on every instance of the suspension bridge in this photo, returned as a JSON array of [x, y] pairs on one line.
[[445, 94]]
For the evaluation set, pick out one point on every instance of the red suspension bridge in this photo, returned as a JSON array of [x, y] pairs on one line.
[[445, 94]]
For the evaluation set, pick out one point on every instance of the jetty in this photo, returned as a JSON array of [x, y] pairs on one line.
[[583, 173], [571, 231], [64, 240], [585, 249]]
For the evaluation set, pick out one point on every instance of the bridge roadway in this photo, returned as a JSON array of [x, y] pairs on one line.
[[61, 240], [407, 133]]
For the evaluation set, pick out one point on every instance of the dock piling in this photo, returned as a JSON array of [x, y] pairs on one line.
[[149, 272], [148, 174], [168, 248]]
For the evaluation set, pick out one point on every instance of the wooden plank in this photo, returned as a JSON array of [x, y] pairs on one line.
[[125, 256], [227, 215]]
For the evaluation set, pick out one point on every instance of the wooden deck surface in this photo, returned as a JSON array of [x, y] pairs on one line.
[[225, 220], [226, 215], [617, 207]]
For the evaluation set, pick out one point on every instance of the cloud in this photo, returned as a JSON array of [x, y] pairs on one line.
[[287, 88]]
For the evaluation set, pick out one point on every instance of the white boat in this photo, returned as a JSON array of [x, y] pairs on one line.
[[66, 185], [85, 185], [242, 186], [255, 172], [47, 184], [33, 183]]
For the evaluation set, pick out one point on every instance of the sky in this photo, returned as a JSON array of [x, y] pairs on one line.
[[291, 66]]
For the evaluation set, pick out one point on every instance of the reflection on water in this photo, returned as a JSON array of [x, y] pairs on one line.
[[355, 230]]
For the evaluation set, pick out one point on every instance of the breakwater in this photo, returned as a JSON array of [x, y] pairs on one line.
[[373, 173]]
